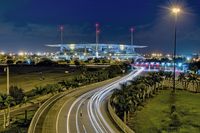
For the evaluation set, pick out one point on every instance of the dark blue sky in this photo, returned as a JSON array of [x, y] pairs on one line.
[[30, 24]]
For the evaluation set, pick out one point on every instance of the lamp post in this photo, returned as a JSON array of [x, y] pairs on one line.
[[61, 33], [6, 69], [97, 39], [175, 11], [132, 34]]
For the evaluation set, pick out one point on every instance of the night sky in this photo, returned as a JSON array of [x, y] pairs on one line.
[[27, 25]]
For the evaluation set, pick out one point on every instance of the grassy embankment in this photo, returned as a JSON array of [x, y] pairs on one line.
[[155, 116], [28, 78]]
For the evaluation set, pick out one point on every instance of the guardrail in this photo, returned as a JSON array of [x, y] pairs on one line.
[[46, 105], [118, 121], [41, 110]]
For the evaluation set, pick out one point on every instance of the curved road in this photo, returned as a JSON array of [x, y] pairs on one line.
[[88, 114], [81, 111]]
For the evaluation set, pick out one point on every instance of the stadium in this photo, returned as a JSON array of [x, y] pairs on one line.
[[93, 50]]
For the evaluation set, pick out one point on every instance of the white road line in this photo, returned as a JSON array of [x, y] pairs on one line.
[[77, 125], [72, 106], [85, 131], [41, 112], [57, 119], [96, 100], [96, 118]]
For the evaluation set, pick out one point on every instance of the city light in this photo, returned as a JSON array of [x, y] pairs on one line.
[[180, 64], [2, 53], [188, 58], [72, 46], [21, 54], [156, 55], [176, 10], [38, 54], [121, 47]]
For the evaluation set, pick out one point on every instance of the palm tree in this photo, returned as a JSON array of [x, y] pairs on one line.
[[38, 90], [115, 99], [24, 102], [130, 106], [193, 78], [162, 78], [6, 101], [149, 83], [2, 106], [168, 77], [9, 101], [156, 79], [63, 84], [143, 90], [120, 101], [182, 78]]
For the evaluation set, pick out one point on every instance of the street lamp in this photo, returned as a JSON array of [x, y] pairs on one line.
[[97, 38], [61, 33], [132, 34], [175, 11], [6, 69]]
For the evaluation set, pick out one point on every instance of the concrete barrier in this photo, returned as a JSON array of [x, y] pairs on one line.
[[118, 121]]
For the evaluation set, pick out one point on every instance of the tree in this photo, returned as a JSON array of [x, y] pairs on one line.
[[77, 63], [194, 68], [9, 62], [24, 102], [17, 94], [130, 96], [46, 62], [2, 106], [156, 79], [113, 70], [96, 60], [193, 78], [38, 91], [52, 88], [182, 78], [5, 102], [64, 85]]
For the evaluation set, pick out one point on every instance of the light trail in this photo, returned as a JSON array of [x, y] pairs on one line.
[[96, 97], [101, 95]]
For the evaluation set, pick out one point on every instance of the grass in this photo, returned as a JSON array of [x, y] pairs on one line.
[[155, 116], [18, 126], [29, 77]]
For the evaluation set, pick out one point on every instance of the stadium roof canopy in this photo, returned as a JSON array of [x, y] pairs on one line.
[[88, 45]]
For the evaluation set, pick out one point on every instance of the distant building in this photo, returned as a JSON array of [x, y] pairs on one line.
[[85, 51]]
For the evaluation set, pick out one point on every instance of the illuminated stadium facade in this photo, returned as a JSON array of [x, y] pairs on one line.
[[96, 50], [85, 51]]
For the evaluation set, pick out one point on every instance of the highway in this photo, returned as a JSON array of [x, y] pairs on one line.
[[80, 111], [88, 114]]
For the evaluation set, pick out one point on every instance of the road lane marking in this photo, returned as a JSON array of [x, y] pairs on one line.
[[72, 106], [100, 95], [57, 119], [84, 129]]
